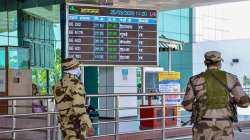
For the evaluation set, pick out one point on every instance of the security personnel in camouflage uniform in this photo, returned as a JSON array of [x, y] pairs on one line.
[[70, 99], [210, 96]]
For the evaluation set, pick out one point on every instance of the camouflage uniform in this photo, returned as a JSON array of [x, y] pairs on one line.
[[213, 124], [70, 99]]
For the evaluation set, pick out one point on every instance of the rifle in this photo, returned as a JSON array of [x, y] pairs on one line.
[[92, 112], [185, 123]]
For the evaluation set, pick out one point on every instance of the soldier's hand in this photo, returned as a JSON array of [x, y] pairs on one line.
[[91, 132]]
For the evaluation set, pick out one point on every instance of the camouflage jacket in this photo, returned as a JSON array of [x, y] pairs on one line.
[[70, 99], [196, 89]]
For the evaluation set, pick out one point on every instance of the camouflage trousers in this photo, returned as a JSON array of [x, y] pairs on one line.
[[213, 130], [74, 131]]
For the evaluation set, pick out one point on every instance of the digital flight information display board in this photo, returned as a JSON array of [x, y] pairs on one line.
[[111, 36]]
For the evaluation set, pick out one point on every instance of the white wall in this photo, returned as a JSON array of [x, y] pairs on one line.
[[112, 80], [230, 49], [127, 85], [224, 21]]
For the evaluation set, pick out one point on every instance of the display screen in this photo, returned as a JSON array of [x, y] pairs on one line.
[[111, 36]]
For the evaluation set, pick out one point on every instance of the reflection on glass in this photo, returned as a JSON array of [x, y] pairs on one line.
[[3, 40], [8, 28], [185, 25], [2, 58], [18, 58], [12, 21], [185, 12], [3, 23], [173, 23]]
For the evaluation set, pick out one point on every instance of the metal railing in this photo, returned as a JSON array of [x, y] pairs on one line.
[[247, 90], [12, 103], [53, 128], [13, 106]]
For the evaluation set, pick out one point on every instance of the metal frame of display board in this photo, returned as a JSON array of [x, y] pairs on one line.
[[106, 6]]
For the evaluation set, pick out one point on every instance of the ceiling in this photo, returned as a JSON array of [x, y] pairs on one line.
[[167, 4], [153, 4], [52, 12]]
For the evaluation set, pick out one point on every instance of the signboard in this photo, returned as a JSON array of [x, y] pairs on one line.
[[111, 36], [172, 99], [169, 82], [124, 74]]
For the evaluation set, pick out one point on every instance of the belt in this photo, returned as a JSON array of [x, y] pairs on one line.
[[216, 119]]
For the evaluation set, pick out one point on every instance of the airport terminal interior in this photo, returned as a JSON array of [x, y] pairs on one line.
[[136, 58]]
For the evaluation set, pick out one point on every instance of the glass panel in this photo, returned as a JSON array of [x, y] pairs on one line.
[[13, 41], [31, 27], [26, 26], [12, 17], [42, 48], [185, 12], [173, 12], [18, 58], [13, 61], [37, 55], [31, 46], [56, 32], [2, 58], [172, 35], [24, 58], [41, 26], [52, 57], [3, 29], [186, 58], [47, 56], [47, 31], [188, 47], [37, 29], [185, 25], [32, 60], [173, 23], [3, 39], [160, 26], [185, 38], [3, 23], [163, 58]]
